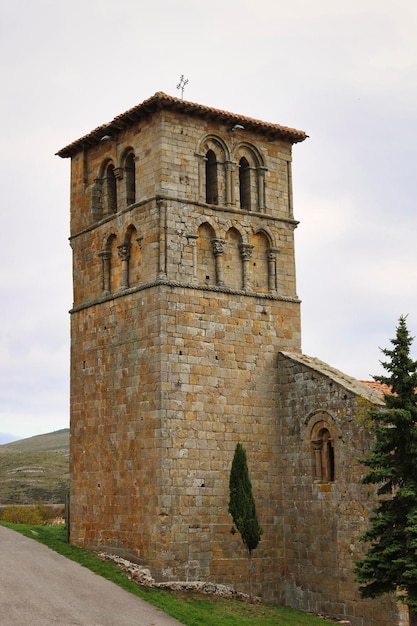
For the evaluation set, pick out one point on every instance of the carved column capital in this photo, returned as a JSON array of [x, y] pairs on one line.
[[118, 172], [218, 246], [124, 251], [272, 253], [139, 241], [246, 250], [192, 240]]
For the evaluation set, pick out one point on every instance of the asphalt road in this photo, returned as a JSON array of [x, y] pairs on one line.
[[39, 587]]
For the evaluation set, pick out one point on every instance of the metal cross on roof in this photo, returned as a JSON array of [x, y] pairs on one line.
[[181, 84]]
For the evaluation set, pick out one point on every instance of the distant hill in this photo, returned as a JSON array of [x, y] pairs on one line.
[[35, 469], [57, 440]]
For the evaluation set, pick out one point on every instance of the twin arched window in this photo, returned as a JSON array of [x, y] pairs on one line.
[[107, 193], [121, 264], [222, 176]]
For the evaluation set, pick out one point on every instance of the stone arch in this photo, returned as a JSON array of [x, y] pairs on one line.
[[109, 187], [233, 274], [251, 177], [108, 256], [206, 264], [129, 170], [259, 264], [131, 256], [214, 184], [321, 435], [210, 222], [215, 143]]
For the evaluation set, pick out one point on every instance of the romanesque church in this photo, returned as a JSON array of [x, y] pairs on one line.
[[186, 339]]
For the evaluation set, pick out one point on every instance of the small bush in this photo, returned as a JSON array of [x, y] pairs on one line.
[[47, 513], [36, 515], [20, 514]]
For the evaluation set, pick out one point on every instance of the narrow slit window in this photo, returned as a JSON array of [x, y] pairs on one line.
[[212, 193], [110, 190], [130, 179], [323, 452], [244, 184]]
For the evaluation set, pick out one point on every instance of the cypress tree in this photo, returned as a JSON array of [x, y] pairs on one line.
[[390, 564], [242, 506]]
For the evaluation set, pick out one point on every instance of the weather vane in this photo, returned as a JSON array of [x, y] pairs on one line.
[[181, 84]]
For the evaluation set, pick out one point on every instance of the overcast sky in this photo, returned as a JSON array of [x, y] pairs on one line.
[[344, 71]]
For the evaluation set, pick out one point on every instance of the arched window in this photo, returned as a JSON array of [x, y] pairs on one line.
[[107, 255], [244, 184], [323, 454], [214, 171], [110, 190], [251, 181], [212, 191], [130, 179]]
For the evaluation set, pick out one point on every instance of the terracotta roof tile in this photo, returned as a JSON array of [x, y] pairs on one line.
[[161, 101], [386, 389]]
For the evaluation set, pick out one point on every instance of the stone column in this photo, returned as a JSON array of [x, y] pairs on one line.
[[234, 169], [261, 188], [317, 459], [272, 269], [246, 250], [124, 254], [162, 269], [105, 271], [201, 176], [290, 199], [229, 183], [218, 250], [192, 242]]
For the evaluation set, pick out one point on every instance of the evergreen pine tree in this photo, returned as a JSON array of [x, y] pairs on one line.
[[242, 506], [390, 564]]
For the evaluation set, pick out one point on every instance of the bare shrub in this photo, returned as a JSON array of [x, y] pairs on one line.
[[20, 514], [46, 512]]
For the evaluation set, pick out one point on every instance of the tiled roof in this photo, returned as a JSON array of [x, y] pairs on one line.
[[386, 389], [161, 101]]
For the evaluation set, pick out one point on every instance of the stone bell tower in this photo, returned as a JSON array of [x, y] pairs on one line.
[[182, 232]]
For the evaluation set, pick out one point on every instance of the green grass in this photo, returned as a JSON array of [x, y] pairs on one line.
[[190, 609]]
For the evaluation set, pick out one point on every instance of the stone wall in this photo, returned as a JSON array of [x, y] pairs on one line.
[[323, 520], [165, 382]]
